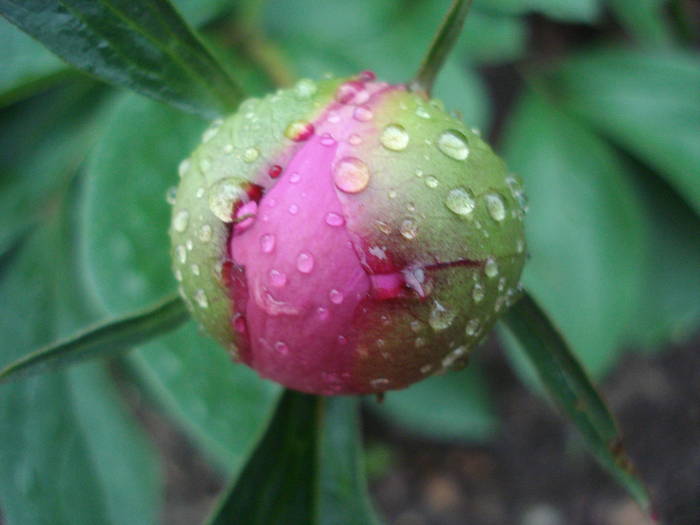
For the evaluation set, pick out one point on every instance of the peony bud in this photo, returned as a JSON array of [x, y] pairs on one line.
[[346, 236]]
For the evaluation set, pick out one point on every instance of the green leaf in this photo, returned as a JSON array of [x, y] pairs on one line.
[[69, 451], [585, 230], [569, 386], [305, 471], [565, 10], [443, 42], [106, 339], [143, 46], [224, 406], [645, 20], [43, 144], [645, 101], [27, 65], [454, 406], [671, 309]]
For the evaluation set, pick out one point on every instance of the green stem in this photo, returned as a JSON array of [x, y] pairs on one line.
[[441, 46]]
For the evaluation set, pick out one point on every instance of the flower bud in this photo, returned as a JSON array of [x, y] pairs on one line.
[[346, 236]]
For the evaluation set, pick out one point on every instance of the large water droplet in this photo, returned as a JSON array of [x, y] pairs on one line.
[[363, 114], [180, 221], [277, 278], [267, 243], [327, 140], [201, 298], [495, 206], [334, 219], [335, 296], [305, 262], [453, 144], [491, 268], [409, 228], [460, 201], [351, 175], [222, 195], [440, 317], [395, 137]]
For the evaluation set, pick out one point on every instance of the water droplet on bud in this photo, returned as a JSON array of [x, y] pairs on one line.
[[351, 175], [305, 88], [334, 219], [440, 317], [267, 243], [180, 221], [335, 296], [495, 206], [394, 137], [453, 144], [305, 262], [491, 268], [277, 278], [299, 130], [250, 154], [460, 201], [201, 298], [222, 195], [408, 228]]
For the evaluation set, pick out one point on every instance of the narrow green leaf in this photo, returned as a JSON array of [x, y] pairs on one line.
[[568, 10], [645, 20], [440, 47], [106, 339], [70, 453], [224, 406], [657, 120], [585, 230], [144, 46], [453, 406], [306, 470], [27, 65], [570, 387]]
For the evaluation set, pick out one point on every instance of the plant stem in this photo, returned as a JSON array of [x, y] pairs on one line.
[[440, 47]]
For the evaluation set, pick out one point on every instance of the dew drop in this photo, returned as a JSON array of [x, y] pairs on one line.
[[205, 233], [408, 229], [431, 182], [416, 326], [478, 293], [425, 369], [267, 243], [250, 154], [305, 262], [195, 269], [380, 382], [212, 130], [491, 268], [274, 171], [228, 149], [453, 144], [355, 139], [282, 347], [181, 254], [189, 244], [495, 206], [322, 313], [419, 342], [277, 278], [392, 194], [472, 327], [201, 298], [351, 175], [342, 340], [171, 195], [460, 201], [305, 88], [178, 275], [199, 193], [299, 130], [183, 167], [394, 137], [383, 227], [422, 112], [204, 165], [293, 209], [327, 140], [520, 246], [334, 219], [294, 178], [180, 220], [363, 114], [440, 317], [335, 296]]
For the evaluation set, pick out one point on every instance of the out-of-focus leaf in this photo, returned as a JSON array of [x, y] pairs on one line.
[[645, 20], [570, 387], [568, 10], [26, 66], [305, 471], [42, 144], [670, 307], [647, 102], [103, 340], [454, 406], [585, 230], [69, 452], [199, 12], [125, 223], [144, 46]]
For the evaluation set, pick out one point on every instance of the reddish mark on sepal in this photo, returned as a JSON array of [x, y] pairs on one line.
[[274, 171], [305, 132], [367, 76]]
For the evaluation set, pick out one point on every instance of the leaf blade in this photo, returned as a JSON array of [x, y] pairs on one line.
[[103, 340], [144, 46], [570, 387]]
